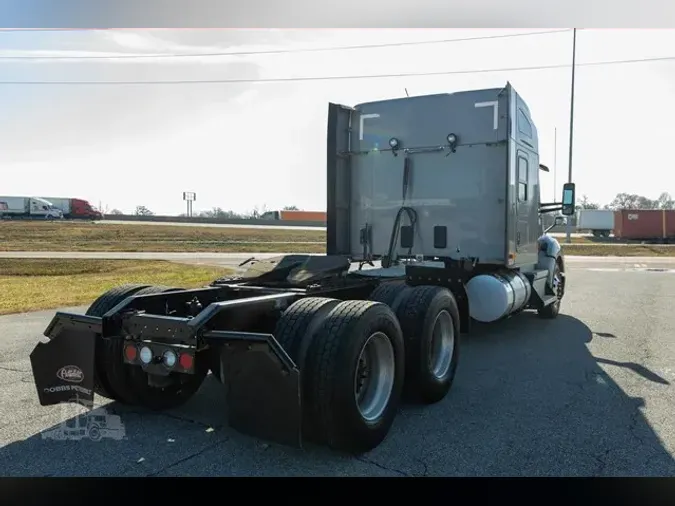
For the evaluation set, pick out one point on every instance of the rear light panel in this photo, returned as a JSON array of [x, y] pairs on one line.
[[159, 358]]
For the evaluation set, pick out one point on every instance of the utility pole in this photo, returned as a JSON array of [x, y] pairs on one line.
[[569, 174], [555, 165]]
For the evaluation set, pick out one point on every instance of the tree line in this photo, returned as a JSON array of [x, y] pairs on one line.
[[216, 212], [630, 201], [621, 201]]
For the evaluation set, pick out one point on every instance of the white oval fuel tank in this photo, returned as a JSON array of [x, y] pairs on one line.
[[496, 295]]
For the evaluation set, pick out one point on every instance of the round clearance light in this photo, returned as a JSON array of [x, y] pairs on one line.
[[146, 355], [393, 142], [452, 139], [169, 358], [185, 361], [130, 352]]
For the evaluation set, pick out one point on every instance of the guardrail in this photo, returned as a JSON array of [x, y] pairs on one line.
[[217, 221]]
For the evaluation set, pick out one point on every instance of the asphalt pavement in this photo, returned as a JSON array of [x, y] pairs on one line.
[[587, 394]]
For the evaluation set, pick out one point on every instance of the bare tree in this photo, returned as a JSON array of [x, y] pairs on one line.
[[143, 211], [634, 201], [665, 201], [585, 203], [218, 212], [115, 211]]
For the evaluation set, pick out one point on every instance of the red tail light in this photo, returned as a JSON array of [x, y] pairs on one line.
[[186, 361], [130, 352]]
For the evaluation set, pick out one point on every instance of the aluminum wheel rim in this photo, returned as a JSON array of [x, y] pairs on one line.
[[374, 376], [442, 345]]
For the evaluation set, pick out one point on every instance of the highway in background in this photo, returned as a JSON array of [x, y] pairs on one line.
[[257, 225], [216, 225], [234, 259]]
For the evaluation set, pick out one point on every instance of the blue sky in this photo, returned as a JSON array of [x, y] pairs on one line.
[[239, 146]]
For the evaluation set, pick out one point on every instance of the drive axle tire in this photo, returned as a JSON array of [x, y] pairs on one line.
[[355, 366], [391, 293], [429, 319], [99, 307], [295, 332], [552, 310]]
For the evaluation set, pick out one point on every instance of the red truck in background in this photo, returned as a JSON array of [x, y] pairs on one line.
[[75, 208]]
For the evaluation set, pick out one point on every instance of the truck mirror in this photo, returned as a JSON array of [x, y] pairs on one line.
[[568, 200]]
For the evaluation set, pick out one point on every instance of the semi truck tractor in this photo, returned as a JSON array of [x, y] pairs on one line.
[[28, 208], [75, 208], [433, 223]]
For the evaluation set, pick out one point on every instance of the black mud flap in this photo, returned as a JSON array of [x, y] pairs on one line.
[[63, 368], [263, 388]]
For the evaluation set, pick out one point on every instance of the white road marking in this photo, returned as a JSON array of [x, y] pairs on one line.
[[660, 270]]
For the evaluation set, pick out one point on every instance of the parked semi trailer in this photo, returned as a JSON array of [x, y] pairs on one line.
[[75, 208], [429, 229], [318, 216], [27, 208], [600, 222], [648, 225]]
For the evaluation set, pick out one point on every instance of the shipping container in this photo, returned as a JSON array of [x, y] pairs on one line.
[[316, 216], [645, 224]]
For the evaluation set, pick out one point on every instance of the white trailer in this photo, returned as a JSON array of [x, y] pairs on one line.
[[28, 207], [598, 221]]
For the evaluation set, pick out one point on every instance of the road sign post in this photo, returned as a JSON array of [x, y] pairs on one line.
[[189, 198]]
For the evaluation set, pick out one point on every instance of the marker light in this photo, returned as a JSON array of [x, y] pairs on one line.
[[185, 361], [130, 352], [146, 355], [169, 358], [393, 142], [452, 139]]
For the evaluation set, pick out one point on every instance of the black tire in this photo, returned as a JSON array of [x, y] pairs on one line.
[[391, 293], [134, 380], [99, 307], [332, 364], [551, 311], [295, 332], [94, 433], [424, 306]]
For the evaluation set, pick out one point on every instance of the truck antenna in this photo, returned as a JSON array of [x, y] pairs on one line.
[[406, 92]]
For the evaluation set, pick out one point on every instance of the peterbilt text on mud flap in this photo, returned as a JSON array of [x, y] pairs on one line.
[[433, 221]]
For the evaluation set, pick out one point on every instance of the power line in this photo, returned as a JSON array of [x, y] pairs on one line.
[[339, 78], [287, 51]]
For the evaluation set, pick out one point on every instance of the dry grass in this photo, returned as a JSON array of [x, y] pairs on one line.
[[34, 284], [68, 236]]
